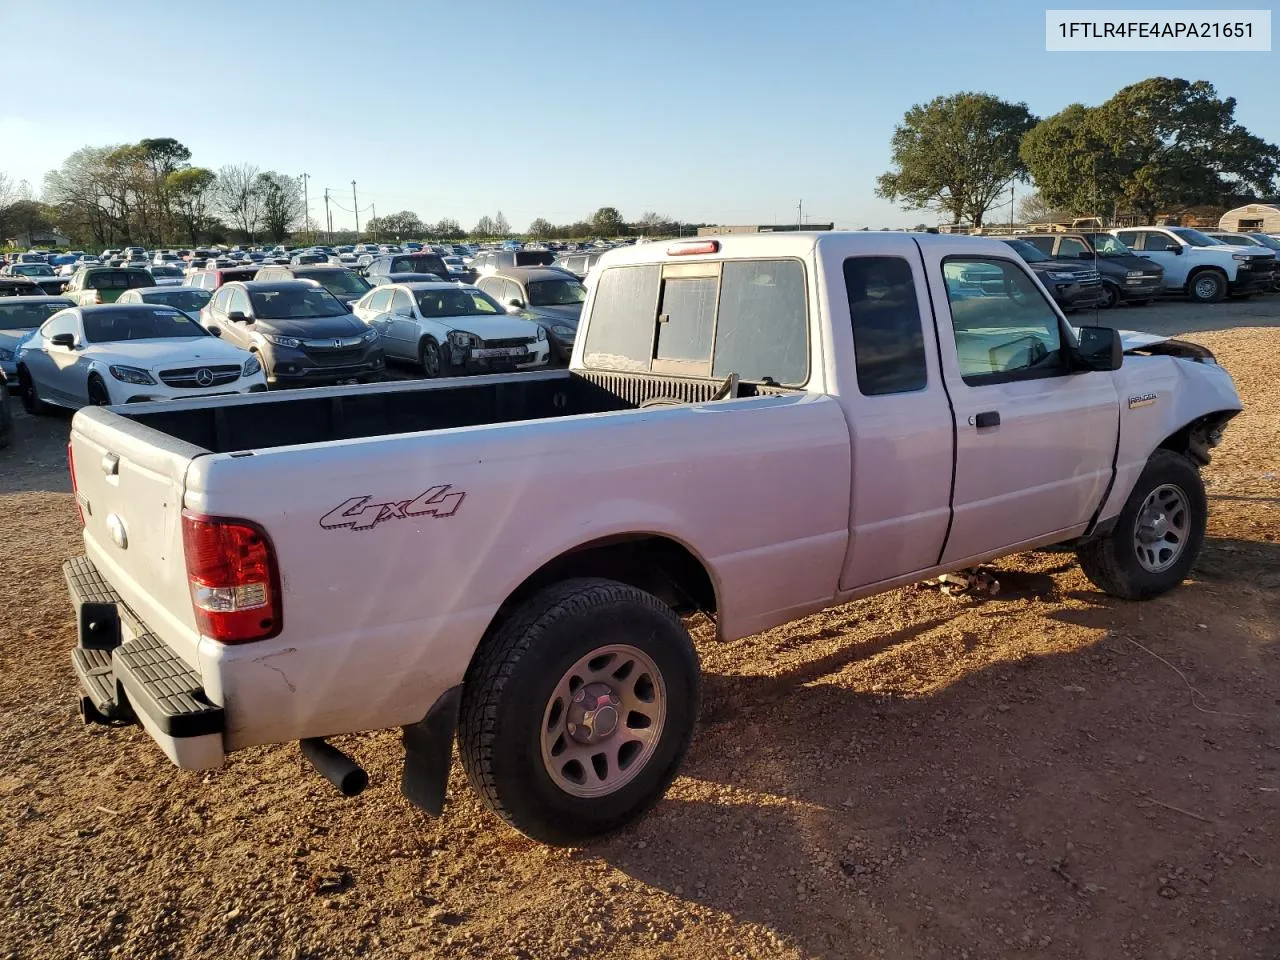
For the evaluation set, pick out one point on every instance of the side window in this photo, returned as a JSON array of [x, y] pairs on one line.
[[59, 323], [620, 328], [490, 286], [888, 338], [400, 304], [511, 291], [1130, 238], [686, 318], [1004, 328], [379, 301], [1043, 244], [1156, 241], [218, 303], [762, 325], [1071, 248]]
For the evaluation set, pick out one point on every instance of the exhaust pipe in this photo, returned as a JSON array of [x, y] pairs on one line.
[[335, 766]]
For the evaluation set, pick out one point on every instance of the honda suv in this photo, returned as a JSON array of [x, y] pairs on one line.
[[303, 335], [343, 282]]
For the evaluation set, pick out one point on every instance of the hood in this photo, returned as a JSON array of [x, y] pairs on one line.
[[566, 314], [499, 327], [1061, 266], [157, 354], [11, 337], [1130, 262], [313, 328]]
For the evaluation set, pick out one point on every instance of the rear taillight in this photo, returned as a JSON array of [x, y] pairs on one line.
[[235, 584], [75, 490], [97, 296]]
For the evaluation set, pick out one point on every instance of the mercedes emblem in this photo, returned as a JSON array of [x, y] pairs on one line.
[[204, 377]]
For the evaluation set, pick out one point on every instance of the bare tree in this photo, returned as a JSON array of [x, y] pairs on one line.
[[237, 196]]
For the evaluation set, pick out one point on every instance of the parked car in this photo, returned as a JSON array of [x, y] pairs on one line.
[[406, 263], [214, 278], [95, 285], [579, 263], [487, 262], [1072, 284], [758, 427], [20, 318], [303, 334], [190, 300], [552, 297], [1126, 277], [6, 414], [113, 353], [1198, 266], [382, 279], [1266, 241], [448, 329], [168, 275], [301, 259], [458, 269], [344, 283]]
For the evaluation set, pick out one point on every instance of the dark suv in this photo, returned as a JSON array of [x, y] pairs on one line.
[[1126, 277], [1072, 284], [343, 282], [301, 333]]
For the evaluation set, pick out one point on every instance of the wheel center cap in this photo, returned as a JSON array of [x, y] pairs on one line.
[[593, 713], [1154, 527]]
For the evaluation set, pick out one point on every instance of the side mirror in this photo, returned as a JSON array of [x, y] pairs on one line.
[[515, 303], [1100, 349], [239, 316], [63, 340], [216, 331], [1176, 250]]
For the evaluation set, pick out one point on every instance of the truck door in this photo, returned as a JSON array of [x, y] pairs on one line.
[[1035, 442], [900, 423]]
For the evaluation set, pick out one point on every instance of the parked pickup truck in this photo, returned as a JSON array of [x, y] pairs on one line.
[[756, 427], [1205, 269]]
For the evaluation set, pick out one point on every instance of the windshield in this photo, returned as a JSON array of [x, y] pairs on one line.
[[19, 314], [1027, 252], [1194, 238], [1108, 246], [32, 270], [338, 282], [165, 272], [104, 326], [556, 293], [456, 303], [1266, 241], [295, 303], [188, 299]]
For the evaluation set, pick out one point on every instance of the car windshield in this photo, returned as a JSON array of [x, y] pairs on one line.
[[1194, 238], [18, 313], [32, 270], [1266, 241], [338, 282], [295, 303], [105, 326], [1236, 239], [453, 261], [456, 303], [165, 272], [1027, 252], [1108, 246], [188, 299], [556, 293]]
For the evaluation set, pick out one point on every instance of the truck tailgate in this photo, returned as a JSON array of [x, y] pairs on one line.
[[129, 484]]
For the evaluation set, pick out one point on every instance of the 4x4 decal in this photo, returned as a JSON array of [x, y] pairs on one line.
[[359, 514]]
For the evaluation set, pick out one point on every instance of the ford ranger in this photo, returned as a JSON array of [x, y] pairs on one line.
[[753, 427]]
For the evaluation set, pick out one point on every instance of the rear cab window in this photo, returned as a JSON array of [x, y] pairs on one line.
[[704, 319]]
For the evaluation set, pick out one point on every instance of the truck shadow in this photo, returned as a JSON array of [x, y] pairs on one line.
[[36, 458], [987, 815]]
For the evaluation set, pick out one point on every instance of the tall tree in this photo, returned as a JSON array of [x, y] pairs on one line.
[[484, 227], [281, 202], [607, 222], [447, 229], [540, 228], [1158, 144], [236, 196], [500, 224], [956, 154], [190, 192]]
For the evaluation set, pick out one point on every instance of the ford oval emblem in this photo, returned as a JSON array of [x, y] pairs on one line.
[[115, 526]]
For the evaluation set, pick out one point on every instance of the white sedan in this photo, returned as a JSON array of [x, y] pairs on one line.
[[124, 353], [450, 328]]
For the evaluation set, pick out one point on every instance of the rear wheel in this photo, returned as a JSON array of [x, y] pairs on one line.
[[1110, 296], [31, 401], [1207, 286], [1157, 536], [578, 711], [98, 395], [430, 358]]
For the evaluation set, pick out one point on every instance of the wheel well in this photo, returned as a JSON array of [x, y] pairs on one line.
[[1210, 269], [656, 564], [1198, 437]]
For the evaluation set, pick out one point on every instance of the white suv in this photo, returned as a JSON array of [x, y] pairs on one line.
[[1203, 268]]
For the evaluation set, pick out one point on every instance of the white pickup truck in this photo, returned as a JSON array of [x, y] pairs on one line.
[[756, 427]]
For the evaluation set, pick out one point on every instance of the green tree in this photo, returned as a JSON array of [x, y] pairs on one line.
[[1158, 144], [448, 229], [281, 200], [607, 222], [956, 154], [189, 192], [540, 228]]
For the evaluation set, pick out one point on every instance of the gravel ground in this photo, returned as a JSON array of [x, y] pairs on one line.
[[1046, 773]]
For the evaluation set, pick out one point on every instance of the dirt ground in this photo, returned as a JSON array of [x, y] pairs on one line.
[[1046, 773]]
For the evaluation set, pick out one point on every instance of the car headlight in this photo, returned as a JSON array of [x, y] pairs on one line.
[[1241, 256], [293, 343], [6, 354], [370, 335], [542, 332], [1061, 276], [1133, 274], [462, 339], [251, 366], [564, 330], [131, 374]]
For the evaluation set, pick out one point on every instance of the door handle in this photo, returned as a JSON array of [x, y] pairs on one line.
[[990, 418]]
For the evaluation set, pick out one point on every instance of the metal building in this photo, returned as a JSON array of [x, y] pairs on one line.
[[1252, 218]]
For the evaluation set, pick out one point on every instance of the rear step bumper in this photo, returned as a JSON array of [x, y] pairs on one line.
[[127, 674]]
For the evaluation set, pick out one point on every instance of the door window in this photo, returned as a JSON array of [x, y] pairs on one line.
[[1071, 248], [380, 301], [400, 305], [1156, 242], [59, 323], [1130, 238], [686, 318], [492, 286], [888, 339], [1004, 327], [238, 302]]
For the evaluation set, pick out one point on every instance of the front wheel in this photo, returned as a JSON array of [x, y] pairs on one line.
[[1207, 286], [430, 358], [578, 711], [1110, 296], [98, 395], [1157, 536]]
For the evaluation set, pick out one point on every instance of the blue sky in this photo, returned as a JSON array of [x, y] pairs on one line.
[[702, 110]]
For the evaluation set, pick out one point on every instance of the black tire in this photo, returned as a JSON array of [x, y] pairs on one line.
[[31, 401], [1201, 290], [98, 395], [1110, 296], [1111, 562], [510, 685], [430, 359]]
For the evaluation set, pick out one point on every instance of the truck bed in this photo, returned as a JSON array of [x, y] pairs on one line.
[[261, 421]]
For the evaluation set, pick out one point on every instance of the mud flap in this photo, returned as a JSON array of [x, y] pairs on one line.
[[428, 753]]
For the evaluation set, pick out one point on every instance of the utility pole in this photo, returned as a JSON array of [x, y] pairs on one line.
[[1012, 195], [328, 217], [306, 203], [800, 215], [375, 221], [356, 207]]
